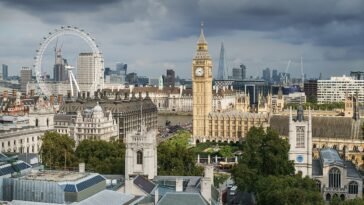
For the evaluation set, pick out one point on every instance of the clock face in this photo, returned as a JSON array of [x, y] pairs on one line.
[[199, 71], [299, 158]]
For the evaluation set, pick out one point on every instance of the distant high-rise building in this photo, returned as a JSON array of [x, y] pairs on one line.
[[237, 74], [275, 76], [243, 71], [357, 75], [170, 79], [121, 68], [59, 70], [5, 72], [310, 88], [336, 88], [143, 80], [131, 78], [25, 77], [90, 74], [266, 75], [222, 74]]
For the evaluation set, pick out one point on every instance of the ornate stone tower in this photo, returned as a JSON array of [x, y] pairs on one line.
[[202, 88], [300, 140], [141, 154]]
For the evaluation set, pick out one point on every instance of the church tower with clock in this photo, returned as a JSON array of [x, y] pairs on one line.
[[300, 140], [202, 88]]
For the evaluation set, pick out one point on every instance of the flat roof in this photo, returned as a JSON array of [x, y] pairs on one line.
[[55, 176]]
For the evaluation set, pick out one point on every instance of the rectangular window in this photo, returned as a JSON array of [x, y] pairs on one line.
[[300, 136]]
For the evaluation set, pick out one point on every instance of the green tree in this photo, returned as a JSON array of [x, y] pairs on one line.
[[226, 151], [348, 202], [265, 170], [102, 157], [175, 158], [264, 154], [57, 150], [282, 190]]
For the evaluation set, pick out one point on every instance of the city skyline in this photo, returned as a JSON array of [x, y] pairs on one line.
[[329, 38]]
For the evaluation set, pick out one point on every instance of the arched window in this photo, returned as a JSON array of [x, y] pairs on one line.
[[334, 178], [47, 122], [36, 122], [139, 157], [318, 185], [328, 197], [353, 187]]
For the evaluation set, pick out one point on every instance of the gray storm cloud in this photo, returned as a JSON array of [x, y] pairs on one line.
[[333, 29]]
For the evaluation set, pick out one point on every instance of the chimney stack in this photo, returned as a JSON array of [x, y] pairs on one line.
[[51, 99], [179, 184], [5, 94], [81, 167], [59, 99], [31, 92]]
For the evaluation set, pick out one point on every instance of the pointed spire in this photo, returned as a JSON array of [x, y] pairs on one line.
[[202, 39]]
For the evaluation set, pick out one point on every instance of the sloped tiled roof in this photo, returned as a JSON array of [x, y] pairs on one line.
[[322, 126], [144, 184], [182, 198]]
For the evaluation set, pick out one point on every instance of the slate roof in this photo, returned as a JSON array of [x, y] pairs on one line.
[[111, 197], [182, 198], [322, 126], [168, 183], [70, 107], [331, 157], [100, 198], [144, 184]]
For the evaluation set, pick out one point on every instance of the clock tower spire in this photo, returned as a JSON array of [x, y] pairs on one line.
[[202, 89]]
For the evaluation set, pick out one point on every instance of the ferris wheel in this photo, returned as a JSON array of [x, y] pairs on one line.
[[98, 81]]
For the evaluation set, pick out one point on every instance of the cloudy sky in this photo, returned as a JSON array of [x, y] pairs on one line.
[[154, 35]]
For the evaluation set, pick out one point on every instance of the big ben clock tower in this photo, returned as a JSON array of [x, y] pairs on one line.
[[202, 89]]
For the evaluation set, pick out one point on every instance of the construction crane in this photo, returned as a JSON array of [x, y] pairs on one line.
[[71, 78], [284, 77]]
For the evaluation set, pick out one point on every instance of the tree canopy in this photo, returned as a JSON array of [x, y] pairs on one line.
[[281, 190], [101, 156], [175, 158], [265, 169], [264, 154], [316, 106], [57, 150]]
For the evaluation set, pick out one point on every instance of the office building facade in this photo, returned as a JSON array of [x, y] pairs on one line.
[[25, 77], [90, 72], [335, 89]]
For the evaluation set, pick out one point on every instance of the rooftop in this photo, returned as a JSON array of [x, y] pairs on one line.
[[182, 198], [329, 155], [55, 176]]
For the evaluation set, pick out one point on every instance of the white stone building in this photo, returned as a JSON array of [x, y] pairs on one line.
[[335, 89], [92, 124], [90, 72], [18, 136], [334, 176], [300, 139]]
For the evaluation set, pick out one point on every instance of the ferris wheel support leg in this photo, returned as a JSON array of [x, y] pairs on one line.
[[69, 77], [76, 84]]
